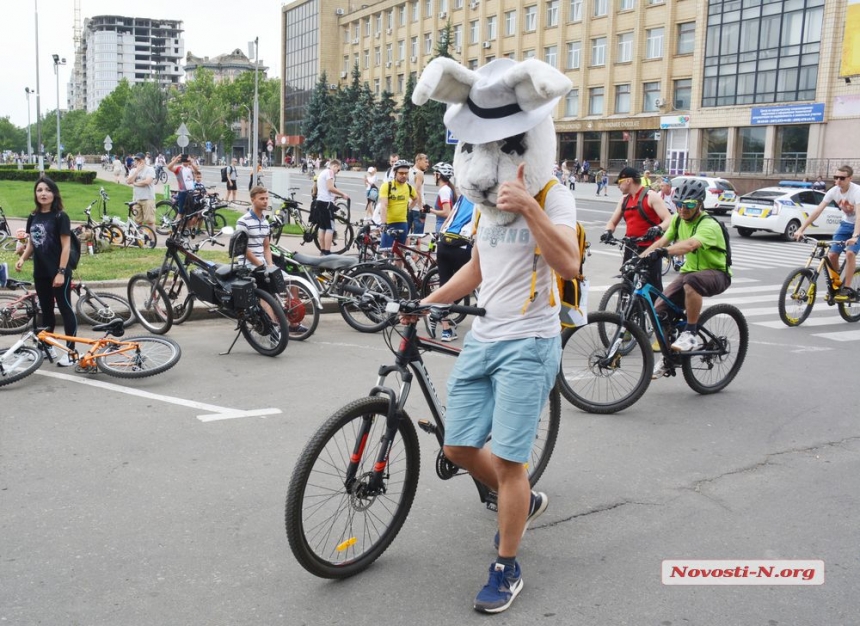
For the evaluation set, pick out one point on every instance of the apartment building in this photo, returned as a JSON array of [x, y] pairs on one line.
[[731, 86], [113, 47]]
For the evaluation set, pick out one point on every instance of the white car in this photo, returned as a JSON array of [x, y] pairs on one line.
[[721, 195], [782, 210]]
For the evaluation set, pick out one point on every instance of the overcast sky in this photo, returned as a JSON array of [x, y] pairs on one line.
[[212, 27]]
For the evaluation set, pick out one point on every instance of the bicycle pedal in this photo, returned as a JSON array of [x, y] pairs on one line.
[[427, 426]]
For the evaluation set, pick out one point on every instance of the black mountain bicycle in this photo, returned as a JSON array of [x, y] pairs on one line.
[[355, 480], [290, 210]]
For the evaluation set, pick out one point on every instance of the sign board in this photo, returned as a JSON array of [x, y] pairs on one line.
[[788, 114], [182, 130], [450, 139], [674, 121], [208, 146], [182, 141]]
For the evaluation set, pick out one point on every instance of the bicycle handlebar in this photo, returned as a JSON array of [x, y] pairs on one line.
[[414, 307]]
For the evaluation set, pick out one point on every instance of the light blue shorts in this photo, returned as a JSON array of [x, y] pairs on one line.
[[844, 233], [501, 388]]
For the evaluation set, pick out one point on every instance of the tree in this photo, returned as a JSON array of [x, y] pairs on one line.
[[199, 107], [314, 127], [11, 137], [108, 120], [361, 122], [409, 138], [382, 128], [145, 116]]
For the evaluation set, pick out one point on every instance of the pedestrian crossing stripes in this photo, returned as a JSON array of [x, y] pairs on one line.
[[760, 255]]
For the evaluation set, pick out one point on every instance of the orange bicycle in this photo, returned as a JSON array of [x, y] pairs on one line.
[[135, 357]]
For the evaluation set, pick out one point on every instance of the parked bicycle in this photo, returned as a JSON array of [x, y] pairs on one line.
[[607, 364], [134, 234], [798, 292], [19, 311], [233, 291], [290, 210], [5, 232], [99, 236], [135, 357], [355, 481], [205, 205]]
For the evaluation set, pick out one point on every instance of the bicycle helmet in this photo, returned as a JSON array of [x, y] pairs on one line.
[[444, 170], [400, 164], [692, 189]]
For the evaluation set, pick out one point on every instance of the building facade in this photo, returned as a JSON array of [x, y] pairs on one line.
[[113, 47], [224, 66], [747, 87]]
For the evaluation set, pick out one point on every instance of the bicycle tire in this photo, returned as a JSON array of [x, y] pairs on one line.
[[145, 238], [404, 286], [153, 356], [105, 236], [161, 177], [276, 232], [242, 203], [176, 293], [728, 330], [335, 530], [616, 299], [546, 437], [665, 265], [150, 304], [165, 215], [266, 337], [431, 284], [28, 360], [100, 307], [594, 384], [300, 309], [16, 313], [797, 296], [344, 235], [850, 311], [373, 317]]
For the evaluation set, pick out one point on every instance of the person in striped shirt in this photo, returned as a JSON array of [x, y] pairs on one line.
[[258, 251]]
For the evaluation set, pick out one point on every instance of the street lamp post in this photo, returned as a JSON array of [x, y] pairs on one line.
[[256, 54], [39, 147], [28, 91], [57, 63]]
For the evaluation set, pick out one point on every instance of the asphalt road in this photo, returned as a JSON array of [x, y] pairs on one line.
[[161, 501]]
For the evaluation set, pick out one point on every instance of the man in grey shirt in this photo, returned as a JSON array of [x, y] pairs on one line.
[[142, 181]]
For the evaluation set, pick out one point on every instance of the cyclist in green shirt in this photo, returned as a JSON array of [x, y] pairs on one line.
[[705, 272]]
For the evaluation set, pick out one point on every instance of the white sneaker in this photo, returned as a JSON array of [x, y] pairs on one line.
[[659, 369], [65, 361], [686, 342]]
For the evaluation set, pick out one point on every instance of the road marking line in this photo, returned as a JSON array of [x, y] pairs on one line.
[[813, 321], [792, 345], [219, 411], [846, 335]]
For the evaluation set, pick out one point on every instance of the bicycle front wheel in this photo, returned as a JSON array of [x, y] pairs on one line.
[[265, 326], [431, 284], [146, 237], [16, 314], [18, 364], [850, 311], [150, 304], [797, 296], [722, 329], [165, 214], [338, 526], [138, 357], [367, 317], [617, 299], [100, 307], [606, 366]]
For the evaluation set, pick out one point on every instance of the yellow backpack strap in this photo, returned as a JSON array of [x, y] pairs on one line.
[[541, 199]]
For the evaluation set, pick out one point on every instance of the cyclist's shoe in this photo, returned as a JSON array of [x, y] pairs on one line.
[[659, 369], [687, 342], [504, 585], [449, 334], [538, 504], [844, 294], [298, 329], [655, 346], [65, 361]]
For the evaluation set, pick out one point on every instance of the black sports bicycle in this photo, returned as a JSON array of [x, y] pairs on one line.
[[355, 480]]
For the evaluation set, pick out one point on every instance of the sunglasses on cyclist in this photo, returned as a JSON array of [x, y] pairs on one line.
[[689, 204], [839, 177], [621, 180]]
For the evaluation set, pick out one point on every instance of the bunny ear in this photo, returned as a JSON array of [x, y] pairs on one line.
[[535, 83], [443, 80]]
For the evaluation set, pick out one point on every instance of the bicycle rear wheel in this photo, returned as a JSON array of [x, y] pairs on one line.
[[19, 364], [266, 335], [602, 371], [617, 299], [165, 214], [850, 311], [369, 317], [301, 310], [337, 527], [150, 304], [723, 329], [547, 434], [16, 313], [344, 235], [138, 357], [796, 297], [100, 307], [431, 284]]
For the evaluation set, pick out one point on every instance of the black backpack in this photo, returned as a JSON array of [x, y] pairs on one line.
[[223, 174]]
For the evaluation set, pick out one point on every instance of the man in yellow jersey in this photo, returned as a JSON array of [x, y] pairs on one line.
[[396, 197]]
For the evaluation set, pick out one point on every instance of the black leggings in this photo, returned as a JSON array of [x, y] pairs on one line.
[[47, 294]]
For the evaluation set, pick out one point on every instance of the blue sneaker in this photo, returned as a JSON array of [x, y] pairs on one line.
[[504, 585], [539, 503], [4, 274]]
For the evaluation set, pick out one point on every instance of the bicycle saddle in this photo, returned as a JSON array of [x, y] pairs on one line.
[[330, 262], [113, 327], [11, 283]]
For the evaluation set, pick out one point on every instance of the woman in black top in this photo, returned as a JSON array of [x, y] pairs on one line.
[[49, 229]]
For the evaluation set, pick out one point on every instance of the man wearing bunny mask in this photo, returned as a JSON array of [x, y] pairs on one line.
[[501, 115]]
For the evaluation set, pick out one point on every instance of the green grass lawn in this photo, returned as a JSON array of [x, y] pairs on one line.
[[16, 198]]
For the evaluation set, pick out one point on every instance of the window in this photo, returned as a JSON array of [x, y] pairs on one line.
[[400, 82], [595, 101], [625, 5], [552, 13], [600, 7], [428, 43], [528, 54], [357, 30], [683, 95], [686, 37], [574, 54], [415, 11], [651, 92], [428, 8], [571, 103], [491, 27], [622, 98], [401, 15], [345, 67], [550, 55], [413, 47], [752, 148], [715, 142], [474, 31], [598, 51], [458, 36], [511, 23], [390, 21], [366, 59], [401, 49], [389, 53], [624, 48], [376, 86], [367, 27], [575, 10], [379, 23], [654, 43], [377, 56], [458, 4], [531, 19]]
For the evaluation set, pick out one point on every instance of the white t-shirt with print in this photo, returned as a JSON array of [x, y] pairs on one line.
[[846, 201], [323, 194], [506, 254]]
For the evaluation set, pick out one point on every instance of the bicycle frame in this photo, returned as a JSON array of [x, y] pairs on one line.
[[86, 360]]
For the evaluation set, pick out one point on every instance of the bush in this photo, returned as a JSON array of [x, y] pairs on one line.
[[14, 166], [58, 176]]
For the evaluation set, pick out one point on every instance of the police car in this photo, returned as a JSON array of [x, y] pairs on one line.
[[721, 196], [782, 210]]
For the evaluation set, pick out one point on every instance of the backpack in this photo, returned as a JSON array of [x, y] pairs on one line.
[[223, 174], [391, 188], [723, 229]]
